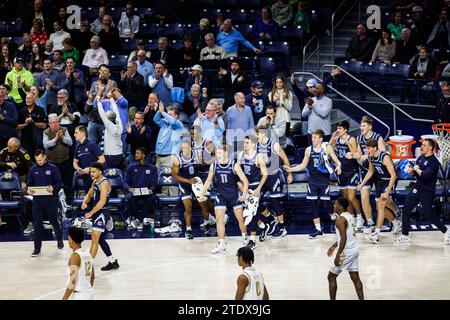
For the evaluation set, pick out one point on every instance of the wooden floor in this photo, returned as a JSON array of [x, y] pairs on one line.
[[293, 267]]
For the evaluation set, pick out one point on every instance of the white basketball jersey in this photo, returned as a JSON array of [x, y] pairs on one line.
[[255, 288], [84, 271], [351, 245]]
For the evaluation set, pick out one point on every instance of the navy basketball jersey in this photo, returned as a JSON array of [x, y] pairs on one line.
[[269, 156], [380, 169], [316, 176], [225, 177], [342, 148], [96, 197], [250, 167], [188, 167], [361, 140]]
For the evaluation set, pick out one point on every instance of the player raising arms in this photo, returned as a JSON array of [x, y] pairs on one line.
[[226, 173], [184, 170], [381, 165], [99, 193], [345, 147], [255, 170], [250, 283], [81, 268], [318, 178], [348, 252]]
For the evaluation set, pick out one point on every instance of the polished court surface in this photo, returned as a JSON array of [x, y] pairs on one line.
[[294, 267]]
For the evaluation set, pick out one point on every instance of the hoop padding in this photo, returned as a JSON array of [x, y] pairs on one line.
[[442, 130]]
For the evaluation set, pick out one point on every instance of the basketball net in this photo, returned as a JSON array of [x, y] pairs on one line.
[[442, 130]]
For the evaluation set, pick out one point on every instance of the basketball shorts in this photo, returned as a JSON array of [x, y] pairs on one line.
[[99, 220], [380, 187], [348, 262], [273, 187], [318, 191], [348, 180], [186, 191], [227, 201], [369, 183]]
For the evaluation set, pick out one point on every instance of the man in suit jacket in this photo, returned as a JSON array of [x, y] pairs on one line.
[[233, 82], [165, 54]]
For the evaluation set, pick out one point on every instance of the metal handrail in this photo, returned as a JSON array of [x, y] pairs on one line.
[[333, 27], [313, 53], [348, 99], [394, 106]]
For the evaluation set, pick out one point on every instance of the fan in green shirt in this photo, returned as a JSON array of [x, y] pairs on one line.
[[69, 51], [396, 26]]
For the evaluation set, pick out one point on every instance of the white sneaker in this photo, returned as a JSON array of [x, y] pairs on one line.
[[374, 238], [369, 229], [447, 237], [219, 248], [134, 224], [402, 239], [396, 228], [147, 221], [29, 229], [173, 227], [140, 227], [211, 222], [359, 223]]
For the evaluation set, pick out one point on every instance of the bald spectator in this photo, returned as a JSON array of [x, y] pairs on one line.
[[132, 85], [95, 56], [161, 83], [405, 48], [360, 47], [38, 11], [144, 67], [230, 39], [97, 25], [109, 36], [240, 121]]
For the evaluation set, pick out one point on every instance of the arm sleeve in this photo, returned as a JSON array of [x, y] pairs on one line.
[[324, 109], [306, 111], [152, 81], [430, 170], [11, 117], [172, 121], [48, 143], [154, 180], [67, 139], [245, 42], [157, 119], [287, 104], [168, 81]]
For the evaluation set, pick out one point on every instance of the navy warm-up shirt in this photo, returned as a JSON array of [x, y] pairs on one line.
[[47, 175], [86, 153], [141, 175], [430, 168]]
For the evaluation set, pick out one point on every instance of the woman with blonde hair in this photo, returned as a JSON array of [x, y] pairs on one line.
[[282, 98]]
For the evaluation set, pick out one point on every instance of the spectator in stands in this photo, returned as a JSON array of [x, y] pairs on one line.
[[32, 123], [420, 26], [58, 36], [385, 48], [318, 112], [6, 61], [39, 11], [405, 48], [397, 25], [302, 17], [103, 73], [86, 153], [58, 61], [132, 84], [230, 39], [166, 11], [443, 105], [62, 17], [70, 51], [138, 135], [140, 46], [113, 146], [73, 81], [95, 124], [423, 66], [144, 67], [81, 38], [233, 81], [48, 53], [282, 12], [198, 36], [25, 50], [48, 77], [282, 98], [141, 174], [189, 55], [8, 116], [97, 25], [35, 64], [95, 56], [258, 100], [165, 54], [240, 121], [150, 111], [57, 143], [360, 46], [275, 125], [212, 126], [109, 36], [440, 36], [161, 83], [265, 28], [38, 35], [193, 101], [16, 75], [211, 51], [196, 77], [68, 114], [129, 23]]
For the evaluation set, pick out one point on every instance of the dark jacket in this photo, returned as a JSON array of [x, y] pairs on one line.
[[21, 158], [47, 175], [258, 110], [404, 51], [232, 87], [133, 89], [141, 175], [110, 41], [360, 50], [148, 121], [11, 118], [170, 57], [443, 110], [431, 68], [135, 139]]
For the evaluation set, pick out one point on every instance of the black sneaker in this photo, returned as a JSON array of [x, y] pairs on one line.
[[60, 244], [35, 254], [264, 232], [188, 235], [251, 244], [110, 266]]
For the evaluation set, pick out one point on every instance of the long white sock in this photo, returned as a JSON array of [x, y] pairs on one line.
[[318, 227], [188, 228], [111, 259], [377, 231], [369, 221], [244, 236], [222, 242]]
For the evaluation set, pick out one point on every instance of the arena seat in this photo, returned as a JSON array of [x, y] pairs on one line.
[[238, 16], [375, 69], [14, 28], [354, 67], [117, 198], [91, 13], [3, 27], [166, 203], [10, 186], [298, 189], [117, 62], [129, 45], [78, 192]]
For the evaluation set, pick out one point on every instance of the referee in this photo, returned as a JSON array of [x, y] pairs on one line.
[[44, 174], [426, 171]]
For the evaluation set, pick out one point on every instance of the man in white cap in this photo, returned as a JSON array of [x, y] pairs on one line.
[[196, 77]]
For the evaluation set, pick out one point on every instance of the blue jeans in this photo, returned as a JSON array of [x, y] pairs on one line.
[[95, 131]]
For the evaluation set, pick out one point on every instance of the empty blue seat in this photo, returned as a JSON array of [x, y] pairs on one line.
[[376, 68], [118, 61], [236, 15], [129, 44], [298, 189], [274, 48], [171, 31], [15, 28], [266, 63], [398, 71], [10, 185], [354, 67], [244, 29], [3, 27]]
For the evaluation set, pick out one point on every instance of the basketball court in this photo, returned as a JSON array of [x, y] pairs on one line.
[[294, 267]]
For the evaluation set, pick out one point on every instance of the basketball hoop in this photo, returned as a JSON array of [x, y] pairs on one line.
[[442, 130]]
